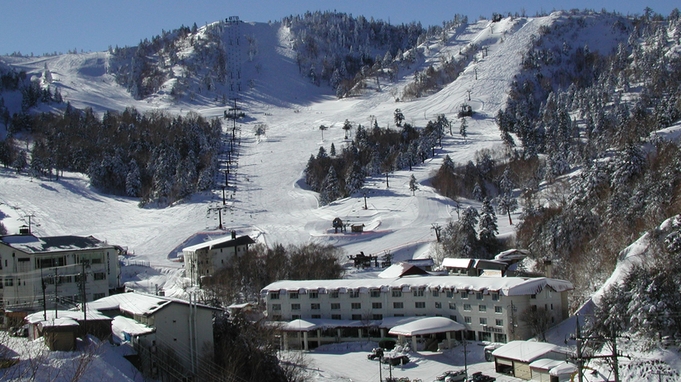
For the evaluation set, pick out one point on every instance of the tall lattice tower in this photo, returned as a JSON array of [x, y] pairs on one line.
[[234, 55]]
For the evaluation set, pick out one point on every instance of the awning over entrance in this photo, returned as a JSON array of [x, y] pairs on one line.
[[428, 325]]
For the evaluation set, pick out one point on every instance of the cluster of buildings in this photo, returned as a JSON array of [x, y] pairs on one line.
[[478, 300]]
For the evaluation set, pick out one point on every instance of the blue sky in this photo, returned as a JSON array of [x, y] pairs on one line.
[[46, 26]]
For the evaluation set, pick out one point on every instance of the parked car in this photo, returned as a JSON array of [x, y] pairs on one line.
[[396, 360], [451, 376], [479, 377]]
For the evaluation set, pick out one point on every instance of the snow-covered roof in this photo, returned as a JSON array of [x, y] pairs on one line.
[[511, 254], [304, 325], [49, 315], [61, 321], [121, 325], [136, 303], [300, 325], [401, 269], [427, 325], [34, 244], [451, 262], [507, 286], [563, 368], [526, 351], [545, 363], [222, 242]]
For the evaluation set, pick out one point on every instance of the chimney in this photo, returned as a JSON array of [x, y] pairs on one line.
[[233, 235], [548, 268]]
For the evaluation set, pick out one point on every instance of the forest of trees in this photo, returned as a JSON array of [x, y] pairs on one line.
[[372, 152], [569, 109], [153, 156]]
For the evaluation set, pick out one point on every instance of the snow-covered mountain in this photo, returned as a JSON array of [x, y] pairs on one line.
[[267, 197]]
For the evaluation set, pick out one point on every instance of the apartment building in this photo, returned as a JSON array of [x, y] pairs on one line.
[[38, 272], [204, 259], [489, 307]]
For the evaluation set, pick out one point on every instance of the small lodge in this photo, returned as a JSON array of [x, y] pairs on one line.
[[61, 328], [532, 360]]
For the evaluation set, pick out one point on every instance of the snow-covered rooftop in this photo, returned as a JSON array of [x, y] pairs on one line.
[[401, 269], [222, 242], [136, 303], [51, 315], [507, 286], [451, 262], [34, 244], [427, 325], [121, 325], [526, 351]]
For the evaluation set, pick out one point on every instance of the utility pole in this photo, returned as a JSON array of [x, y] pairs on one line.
[[580, 358], [82, 286], [42, 283], [56, 296]]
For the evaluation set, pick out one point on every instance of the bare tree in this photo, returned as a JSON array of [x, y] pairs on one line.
[[538, 319]]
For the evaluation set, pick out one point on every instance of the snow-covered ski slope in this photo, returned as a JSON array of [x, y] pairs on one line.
[[270, 201]]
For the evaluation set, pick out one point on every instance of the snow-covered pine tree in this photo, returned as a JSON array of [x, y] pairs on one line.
[[488, 222]]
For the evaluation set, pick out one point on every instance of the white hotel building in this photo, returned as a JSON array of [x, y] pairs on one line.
[[344, 309]]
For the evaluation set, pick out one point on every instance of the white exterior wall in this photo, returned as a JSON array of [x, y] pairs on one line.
[[432, 303], [204, 262], [176, 330], [22, 276]]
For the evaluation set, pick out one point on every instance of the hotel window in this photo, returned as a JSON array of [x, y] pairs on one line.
[[376, 316], [483, 321], [375, 293], [438, 305], [293, 295], [420, 304], [335, 306], [467, 320], [356, 317], [464, 294], [333, 294], [356, 305], [398, 305], [453, 318], [376, 305], [354, 293], [316, 316], [313, 294], [479, 296], [495, 296], [418, 292], [276, 306], [295, 306], [498, 309], [467, 307], [274, 295], [450, 293], [397, 292], [482, 308], [499, 322], [315, 306], [435, 293], [452, 305], [335, 316]]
